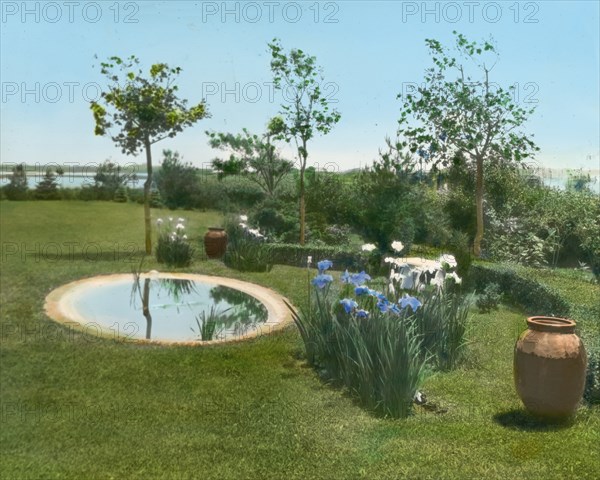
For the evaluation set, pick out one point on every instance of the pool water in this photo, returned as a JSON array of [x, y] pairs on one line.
[[169, 309]]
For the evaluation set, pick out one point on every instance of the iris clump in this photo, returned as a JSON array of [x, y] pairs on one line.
[[381, 346]]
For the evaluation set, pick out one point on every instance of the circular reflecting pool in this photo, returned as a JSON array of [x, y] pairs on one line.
[[168, 308]]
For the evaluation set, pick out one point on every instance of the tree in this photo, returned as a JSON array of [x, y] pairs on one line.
[[145, 110], [108, 179], [306, 109], [47, 188], [454, 116], [17, 186], [252, 155], [177, 181]]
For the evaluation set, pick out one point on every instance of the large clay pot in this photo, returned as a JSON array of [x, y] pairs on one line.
[[549, 367], [215, 242]]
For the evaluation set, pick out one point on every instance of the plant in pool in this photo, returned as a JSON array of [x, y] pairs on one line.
[[380, 347], [207, 323], [173, 247]]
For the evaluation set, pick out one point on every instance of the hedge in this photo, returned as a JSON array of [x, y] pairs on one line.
[[296, 255]]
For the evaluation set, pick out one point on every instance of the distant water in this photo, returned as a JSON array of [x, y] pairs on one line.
[[71, 180]]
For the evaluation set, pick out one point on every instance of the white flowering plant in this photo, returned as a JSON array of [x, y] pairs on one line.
[[173, 246], [246, 246]]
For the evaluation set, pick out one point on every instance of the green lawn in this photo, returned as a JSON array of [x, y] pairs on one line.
[[80, 407]]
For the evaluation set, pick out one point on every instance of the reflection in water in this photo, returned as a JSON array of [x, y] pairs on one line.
[[170, 304]]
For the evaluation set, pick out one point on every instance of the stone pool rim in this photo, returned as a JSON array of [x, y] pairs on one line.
[[58, 309]]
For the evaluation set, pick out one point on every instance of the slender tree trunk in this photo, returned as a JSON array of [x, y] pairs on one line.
[[302, 205], [479, 206], [147, 187]]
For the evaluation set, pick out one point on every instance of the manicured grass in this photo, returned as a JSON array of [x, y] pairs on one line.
[[78, 407]]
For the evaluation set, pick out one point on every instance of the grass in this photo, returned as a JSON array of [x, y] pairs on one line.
[[76, 407]]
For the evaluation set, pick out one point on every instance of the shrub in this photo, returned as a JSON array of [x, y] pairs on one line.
[[120, 195], [17, 187], [47, 188], [246, 248], [489, 299], [177, 181], [172, 246]]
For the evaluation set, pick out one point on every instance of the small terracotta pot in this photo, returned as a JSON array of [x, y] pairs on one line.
[[215, 242], [549, 367]]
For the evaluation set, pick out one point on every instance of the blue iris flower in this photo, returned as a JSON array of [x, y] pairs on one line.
[[355, 279], [383, 305], [348, 304], [324, 265], [322, 280], [412, 301], [363, 290], [362, 314], [394, 308]]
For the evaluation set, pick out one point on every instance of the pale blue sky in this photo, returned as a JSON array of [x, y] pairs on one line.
[[368, 50]]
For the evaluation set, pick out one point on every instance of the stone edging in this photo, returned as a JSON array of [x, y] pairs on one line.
[[59, 308]]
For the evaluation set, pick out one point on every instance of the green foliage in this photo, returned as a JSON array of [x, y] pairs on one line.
[[454, 113], [47, 188], [534, 297], [109, 178], [121, 195], [389, 203], [245, 251], [177, 181], [173, 247], [592, 379], [378, 361], [489, 299], [307, 112], [296, 255], [142, 110], [17, 186], [253, 156], [207, 323], [442, 326]]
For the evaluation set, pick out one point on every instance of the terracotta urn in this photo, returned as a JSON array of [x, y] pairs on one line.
[[215, 242], [549, 367]]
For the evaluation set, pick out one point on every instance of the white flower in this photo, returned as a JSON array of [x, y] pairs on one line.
[[159, 222], [309, 260], [449, 259], [243, 225], [398, 277], [456, 278], [397, 246], [439, 282], [389, 260], [184, 237], [392, 289], [368, 247], [181, 220], [170, 219], [421, 287], [244, 218], [179, 226]]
